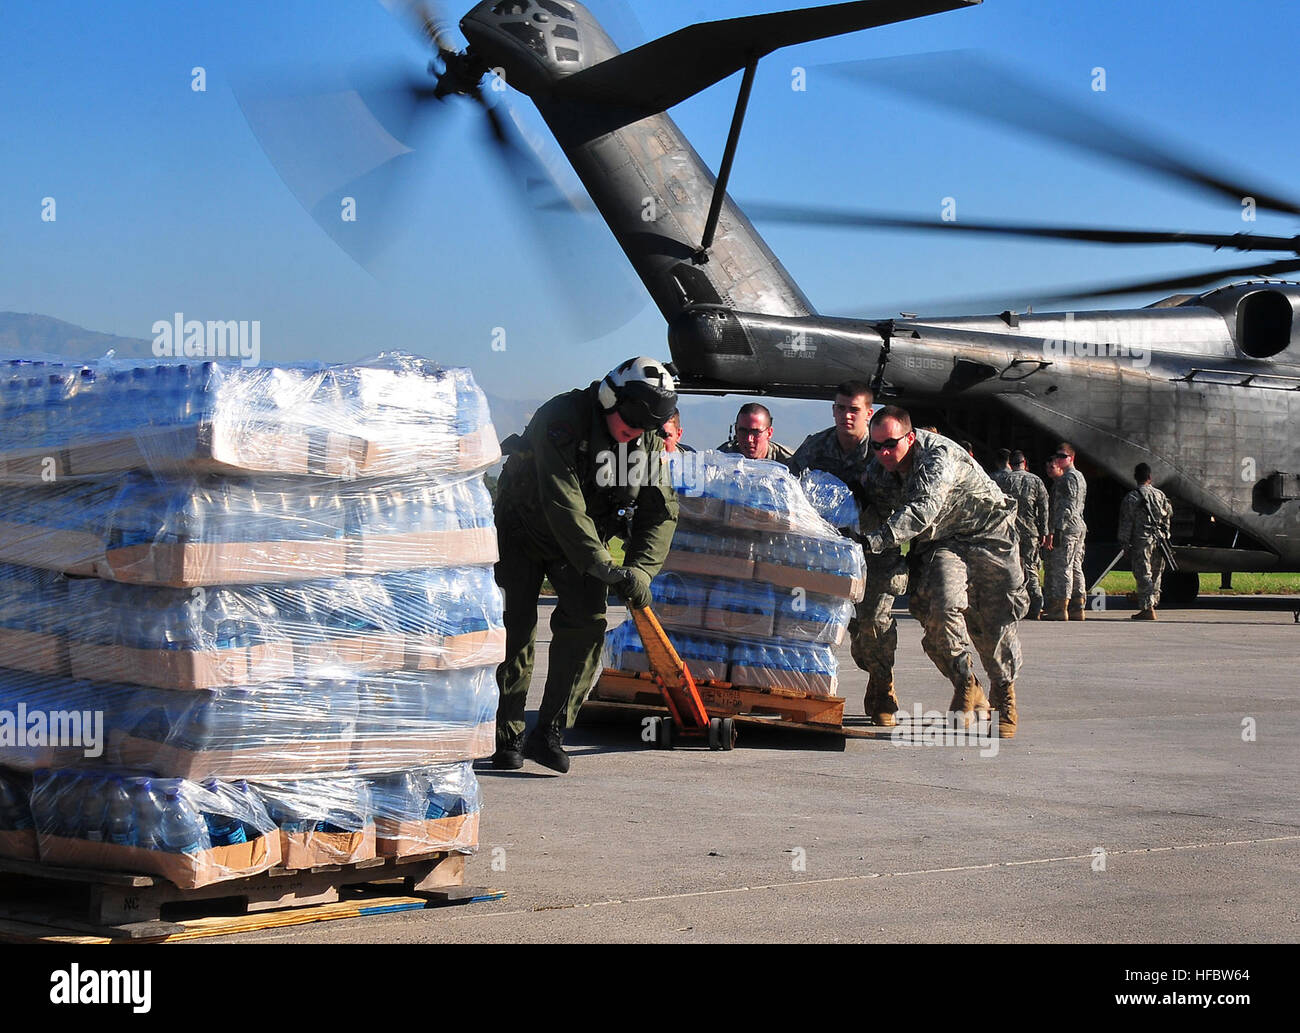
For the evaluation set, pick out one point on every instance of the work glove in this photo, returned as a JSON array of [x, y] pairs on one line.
[[633, 587], [631, 583]]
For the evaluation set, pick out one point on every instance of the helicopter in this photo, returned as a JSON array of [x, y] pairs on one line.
[[1203, 387]]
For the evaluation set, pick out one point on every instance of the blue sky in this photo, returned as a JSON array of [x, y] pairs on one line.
[[165, 201]]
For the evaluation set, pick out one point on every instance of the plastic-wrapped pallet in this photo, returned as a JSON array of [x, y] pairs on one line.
[[270, 577], [758, 587], [190, 833]]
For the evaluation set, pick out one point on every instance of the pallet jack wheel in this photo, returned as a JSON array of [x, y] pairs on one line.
[[715, 733], [665, 737], [727, 734]]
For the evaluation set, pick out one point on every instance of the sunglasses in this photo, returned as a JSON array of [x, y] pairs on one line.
[[747, 432], [1060, 455], [888, 443]]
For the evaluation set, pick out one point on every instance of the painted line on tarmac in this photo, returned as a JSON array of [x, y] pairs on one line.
[[875, 875]]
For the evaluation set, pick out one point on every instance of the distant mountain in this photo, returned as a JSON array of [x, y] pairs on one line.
[[27, 335]]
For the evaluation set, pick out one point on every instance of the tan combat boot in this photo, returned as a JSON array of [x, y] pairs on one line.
[[1003, 700], [881, 705], [1148, 614], [1077, 605], [1053, 610], [970, 702]]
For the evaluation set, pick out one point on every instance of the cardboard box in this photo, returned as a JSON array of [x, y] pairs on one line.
[[226, 563], [373, 755], [750, 518], [34, 467], [29, 545], [372, 651], [287, 759], [804, 631], [478, 450], [413, 838], [182, 669], [33, 651], [776, 678], [373, 554], [810, 580], [218, 446], [750, 625], [187, 871], [681, 616], [19, 845], [710, 565], [310, 849], [702, 510], [441, 653]]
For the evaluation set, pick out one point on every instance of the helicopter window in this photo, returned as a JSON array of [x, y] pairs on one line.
[[511, 7], [566, 54], [1263, 324], [564, 32], [557, 10], [533, 37]]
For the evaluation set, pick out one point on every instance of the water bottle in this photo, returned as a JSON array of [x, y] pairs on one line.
[[205, 386], [142, 405], [146, 806], [224, 625], [250, 805], [181, 830], [119, 830], [94, 809], [223, 829], [11, 410], [69, 804], [215, 721]]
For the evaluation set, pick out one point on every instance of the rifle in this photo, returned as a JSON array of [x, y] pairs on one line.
[[1162, 543]]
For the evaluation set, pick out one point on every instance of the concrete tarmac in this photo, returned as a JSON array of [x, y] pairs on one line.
[[1149, 796]]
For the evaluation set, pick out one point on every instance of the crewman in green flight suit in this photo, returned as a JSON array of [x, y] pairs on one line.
[[590, 466]]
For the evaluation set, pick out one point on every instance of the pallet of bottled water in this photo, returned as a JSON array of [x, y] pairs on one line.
[[195, 833], [387, 419], [435, 619], [251, 603], [185, 530], [759, 586]]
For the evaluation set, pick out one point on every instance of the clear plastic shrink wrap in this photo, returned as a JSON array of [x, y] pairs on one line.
[[277, 580], [758, 587]]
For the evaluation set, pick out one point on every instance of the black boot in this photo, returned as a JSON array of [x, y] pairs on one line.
[[508, 756], [545, 747]]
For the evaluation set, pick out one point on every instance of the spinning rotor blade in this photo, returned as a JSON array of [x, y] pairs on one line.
[[341, 139], [1172, 283], [1038, 296], [843, 217], [425, 20], [970, 83]]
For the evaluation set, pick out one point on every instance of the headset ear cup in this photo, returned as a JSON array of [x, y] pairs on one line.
[[606, 397]]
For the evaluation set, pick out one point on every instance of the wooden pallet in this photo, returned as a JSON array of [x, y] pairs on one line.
[[723, 699], [42, 902]]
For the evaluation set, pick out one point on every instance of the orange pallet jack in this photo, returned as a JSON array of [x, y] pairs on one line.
[[687, 715]]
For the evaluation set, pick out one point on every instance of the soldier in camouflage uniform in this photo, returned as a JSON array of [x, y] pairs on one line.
[[965, 571], [564, 493], [1144, 521], [751, 436], [1066, 585], [843, 451], [1002, 472], [1030, 495]]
